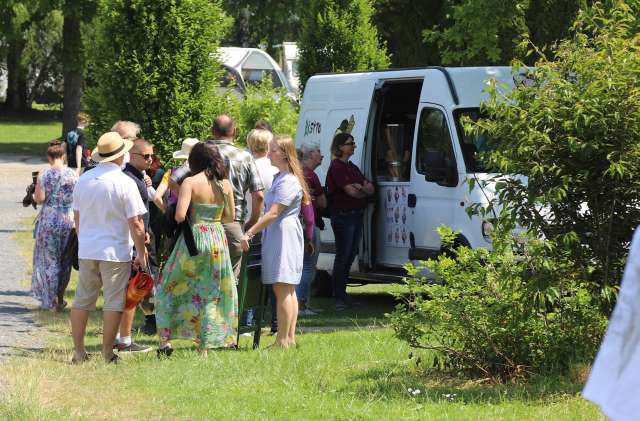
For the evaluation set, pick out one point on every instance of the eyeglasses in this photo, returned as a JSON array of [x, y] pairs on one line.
[[146, 156]]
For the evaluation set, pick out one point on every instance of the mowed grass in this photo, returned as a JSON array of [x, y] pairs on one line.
[[360, 373], [28, 133]]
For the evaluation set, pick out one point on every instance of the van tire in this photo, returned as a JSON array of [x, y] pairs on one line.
[[460, 241]]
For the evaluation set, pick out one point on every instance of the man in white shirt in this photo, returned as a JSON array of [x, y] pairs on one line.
[[108, 216]]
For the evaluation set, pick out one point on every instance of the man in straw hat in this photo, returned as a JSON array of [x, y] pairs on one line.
[[108, 214]]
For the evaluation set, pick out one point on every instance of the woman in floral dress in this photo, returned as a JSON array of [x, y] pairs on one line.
[[51, 271], [196, 296]]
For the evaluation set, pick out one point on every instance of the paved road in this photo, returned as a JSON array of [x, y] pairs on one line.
[[17, 321]]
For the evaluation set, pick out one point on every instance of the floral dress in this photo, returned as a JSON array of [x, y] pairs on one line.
[[196, 297], [54, 224]]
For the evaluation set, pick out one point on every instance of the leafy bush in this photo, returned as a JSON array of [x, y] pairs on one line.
[[501, 314], [151, 62], [263, 102], [339, 36], [574, 132]]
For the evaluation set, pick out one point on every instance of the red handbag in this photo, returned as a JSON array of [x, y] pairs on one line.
[[140, 285]]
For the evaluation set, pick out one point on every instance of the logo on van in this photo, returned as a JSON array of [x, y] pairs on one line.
[[346, 125], [311, 127]]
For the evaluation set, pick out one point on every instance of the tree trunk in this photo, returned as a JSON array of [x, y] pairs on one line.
[[73, 68], [16, 77]]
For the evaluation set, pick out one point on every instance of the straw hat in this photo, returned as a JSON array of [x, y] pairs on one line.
[[110, 146], [187, 144]]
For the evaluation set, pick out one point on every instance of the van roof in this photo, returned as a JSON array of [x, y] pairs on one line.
[[463, 82]]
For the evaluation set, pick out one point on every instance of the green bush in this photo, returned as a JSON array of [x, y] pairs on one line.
[[263, 102], [339, 36], [151, 62], [517, 309], [574, 132]]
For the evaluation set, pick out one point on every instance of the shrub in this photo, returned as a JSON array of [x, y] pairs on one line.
[[151, 62], [263, 102], [517, 309], [574, 133], [339, 36]]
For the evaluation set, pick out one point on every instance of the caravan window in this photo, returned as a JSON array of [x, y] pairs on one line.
[[433, 139], [473, 145]]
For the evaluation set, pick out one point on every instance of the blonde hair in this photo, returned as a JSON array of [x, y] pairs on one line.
[[82, 118], [258, 140], [289, 148]]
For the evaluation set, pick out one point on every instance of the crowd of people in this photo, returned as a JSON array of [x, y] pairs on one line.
[[189, 227]]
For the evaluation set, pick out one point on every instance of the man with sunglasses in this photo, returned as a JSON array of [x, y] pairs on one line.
[[140, 160]]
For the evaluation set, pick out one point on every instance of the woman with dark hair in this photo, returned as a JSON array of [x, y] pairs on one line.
[[348, 190], [196, 296], [51, 271]]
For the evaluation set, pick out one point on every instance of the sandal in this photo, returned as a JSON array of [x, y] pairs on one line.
[[86, 357], [114, 359]]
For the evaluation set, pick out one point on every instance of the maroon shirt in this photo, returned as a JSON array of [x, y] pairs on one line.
[[339, 175], [315, 189]]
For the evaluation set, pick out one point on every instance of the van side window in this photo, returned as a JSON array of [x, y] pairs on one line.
[[434, 140]]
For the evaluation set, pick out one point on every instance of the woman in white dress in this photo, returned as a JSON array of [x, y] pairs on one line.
[[282, 239]]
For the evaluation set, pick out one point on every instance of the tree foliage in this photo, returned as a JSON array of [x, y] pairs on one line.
[[153, 63], [573, 130], [339, 36]]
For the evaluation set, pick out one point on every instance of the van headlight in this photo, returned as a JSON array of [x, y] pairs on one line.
[[487, 230]]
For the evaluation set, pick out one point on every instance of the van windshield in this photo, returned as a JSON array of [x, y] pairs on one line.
[[473, 146]]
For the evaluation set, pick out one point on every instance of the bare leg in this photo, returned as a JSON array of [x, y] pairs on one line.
[[284, 317], [111, 320], [294, 316], [126, 324], [79, 320]]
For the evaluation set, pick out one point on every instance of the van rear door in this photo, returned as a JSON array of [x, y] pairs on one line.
[[332, 104]]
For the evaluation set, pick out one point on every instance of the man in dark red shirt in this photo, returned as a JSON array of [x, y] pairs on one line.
[[311, 158]]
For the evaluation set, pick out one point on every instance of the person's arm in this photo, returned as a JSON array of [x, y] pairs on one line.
[[78, 158], [229, 213], [368, 188], [136, 227], [355, 190], [76, 221], [266, 219], [158, 198], [39, 195], [321, 201], [184, 198], [257, 202]]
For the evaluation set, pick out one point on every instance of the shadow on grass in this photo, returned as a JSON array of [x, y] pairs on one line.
[[24, 148], [394, 381], [29, 116]]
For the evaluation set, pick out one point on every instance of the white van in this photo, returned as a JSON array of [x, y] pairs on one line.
[[411, 145]]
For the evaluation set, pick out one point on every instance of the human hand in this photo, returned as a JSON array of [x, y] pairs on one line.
[[140, 262], [244, 242], [308, 247], [147, 238], [147, 180]]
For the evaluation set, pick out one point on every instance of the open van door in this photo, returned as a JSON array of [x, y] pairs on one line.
[[331, 107]]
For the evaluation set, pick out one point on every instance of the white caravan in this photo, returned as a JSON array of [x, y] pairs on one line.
[[248, 66], [411, 144]]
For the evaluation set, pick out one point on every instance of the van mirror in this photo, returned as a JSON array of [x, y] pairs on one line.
[[438, 171]]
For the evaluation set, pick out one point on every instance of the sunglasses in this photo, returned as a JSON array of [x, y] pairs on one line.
[[348, 143], [146, 156]]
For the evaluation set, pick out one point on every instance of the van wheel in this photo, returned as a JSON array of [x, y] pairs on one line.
[[321, 285]]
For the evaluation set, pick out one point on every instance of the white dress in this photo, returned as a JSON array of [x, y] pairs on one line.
[[282, 240], [614, 380]]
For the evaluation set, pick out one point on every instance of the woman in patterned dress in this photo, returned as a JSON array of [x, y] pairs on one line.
[[54, 189], [196, 296]]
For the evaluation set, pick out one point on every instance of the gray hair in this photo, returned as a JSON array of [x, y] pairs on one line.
[[307, 148], [126, 129]]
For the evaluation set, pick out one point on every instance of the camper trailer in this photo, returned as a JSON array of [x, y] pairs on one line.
[[246, 66], [407, 125]]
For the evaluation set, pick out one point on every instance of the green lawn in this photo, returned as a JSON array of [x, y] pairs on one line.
[[28, 133], [360, 373]]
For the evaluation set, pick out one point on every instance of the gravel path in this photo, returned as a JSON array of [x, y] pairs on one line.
[[17, 321]]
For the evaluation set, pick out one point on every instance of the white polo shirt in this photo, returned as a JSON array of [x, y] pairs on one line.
[[106, 198]]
